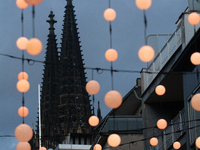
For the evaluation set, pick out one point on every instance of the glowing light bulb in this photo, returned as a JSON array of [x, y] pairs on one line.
[[160, 90], [193, 18], [23, 86], [109, 14], [113, 99], [146, 53], [93, 121], [143, 4], [195, 58], [23, 133], [23, 111], [195, 102], [92, 87], [21, 4], [34, 46], [21, 43], [34, 2], [111, 55], [114, 140], [153, 141], [161, 124]]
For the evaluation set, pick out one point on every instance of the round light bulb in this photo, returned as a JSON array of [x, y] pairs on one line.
[[143, 4], [176, 145], [33, 2], [161, 124], [21, 43], [21, 4], [193, 18], [43, 148], [92, 87], [109, 14], [153, 141], [34, 46], [160, 90], [22, 76], [23, 86], [23, 133], [97, 147], [197, 142], [23, 111], [146, 53], [195, 58], [113, 99], [93, 121], [114, 140], [23, 146], [111, 55], [195, 102]]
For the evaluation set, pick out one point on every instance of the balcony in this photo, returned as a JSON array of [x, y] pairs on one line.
[[172, 133], [175, 44]]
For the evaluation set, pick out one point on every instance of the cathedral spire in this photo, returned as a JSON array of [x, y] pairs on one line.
[[49, 96], [69, 2], [51, 22], [74, 103]]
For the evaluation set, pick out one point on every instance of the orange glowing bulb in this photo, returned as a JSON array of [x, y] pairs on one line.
[[92, 87], [23, 133], [21, 43], [34, 46], [23, 111], [195, 102], [176, 145], [111, 55], [153, 141], [146, 53], [193, 18], [93, 121], [143, 4], [23, 86], [22, 75], [195, 58], [161, 124], [113, 99], [23, 146], [33, 2], [160, 90], [43, 148], [21, 4], [97, 147], [114, 140], [109, 14], [197, 142]]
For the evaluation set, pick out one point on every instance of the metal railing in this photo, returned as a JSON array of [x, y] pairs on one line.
[[172, 133], [162, 58]]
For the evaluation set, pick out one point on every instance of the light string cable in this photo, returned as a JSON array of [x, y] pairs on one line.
[[93, 94], [145, 27], [159, 134], [98, 69], [33, 19], [23, 101]]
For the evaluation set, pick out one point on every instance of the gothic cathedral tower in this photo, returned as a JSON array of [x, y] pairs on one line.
[[65, 104]]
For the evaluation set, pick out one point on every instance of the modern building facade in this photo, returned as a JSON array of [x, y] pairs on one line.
[[173, 69], [126, 121]]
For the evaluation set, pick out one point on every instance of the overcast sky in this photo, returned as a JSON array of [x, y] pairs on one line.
[[128, 37]]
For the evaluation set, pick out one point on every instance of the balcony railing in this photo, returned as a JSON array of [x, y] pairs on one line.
[[172, 133], [162, 58]]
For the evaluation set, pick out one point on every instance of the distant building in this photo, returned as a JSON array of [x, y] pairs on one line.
[[65, 104], [126, 121], [172, 68]]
